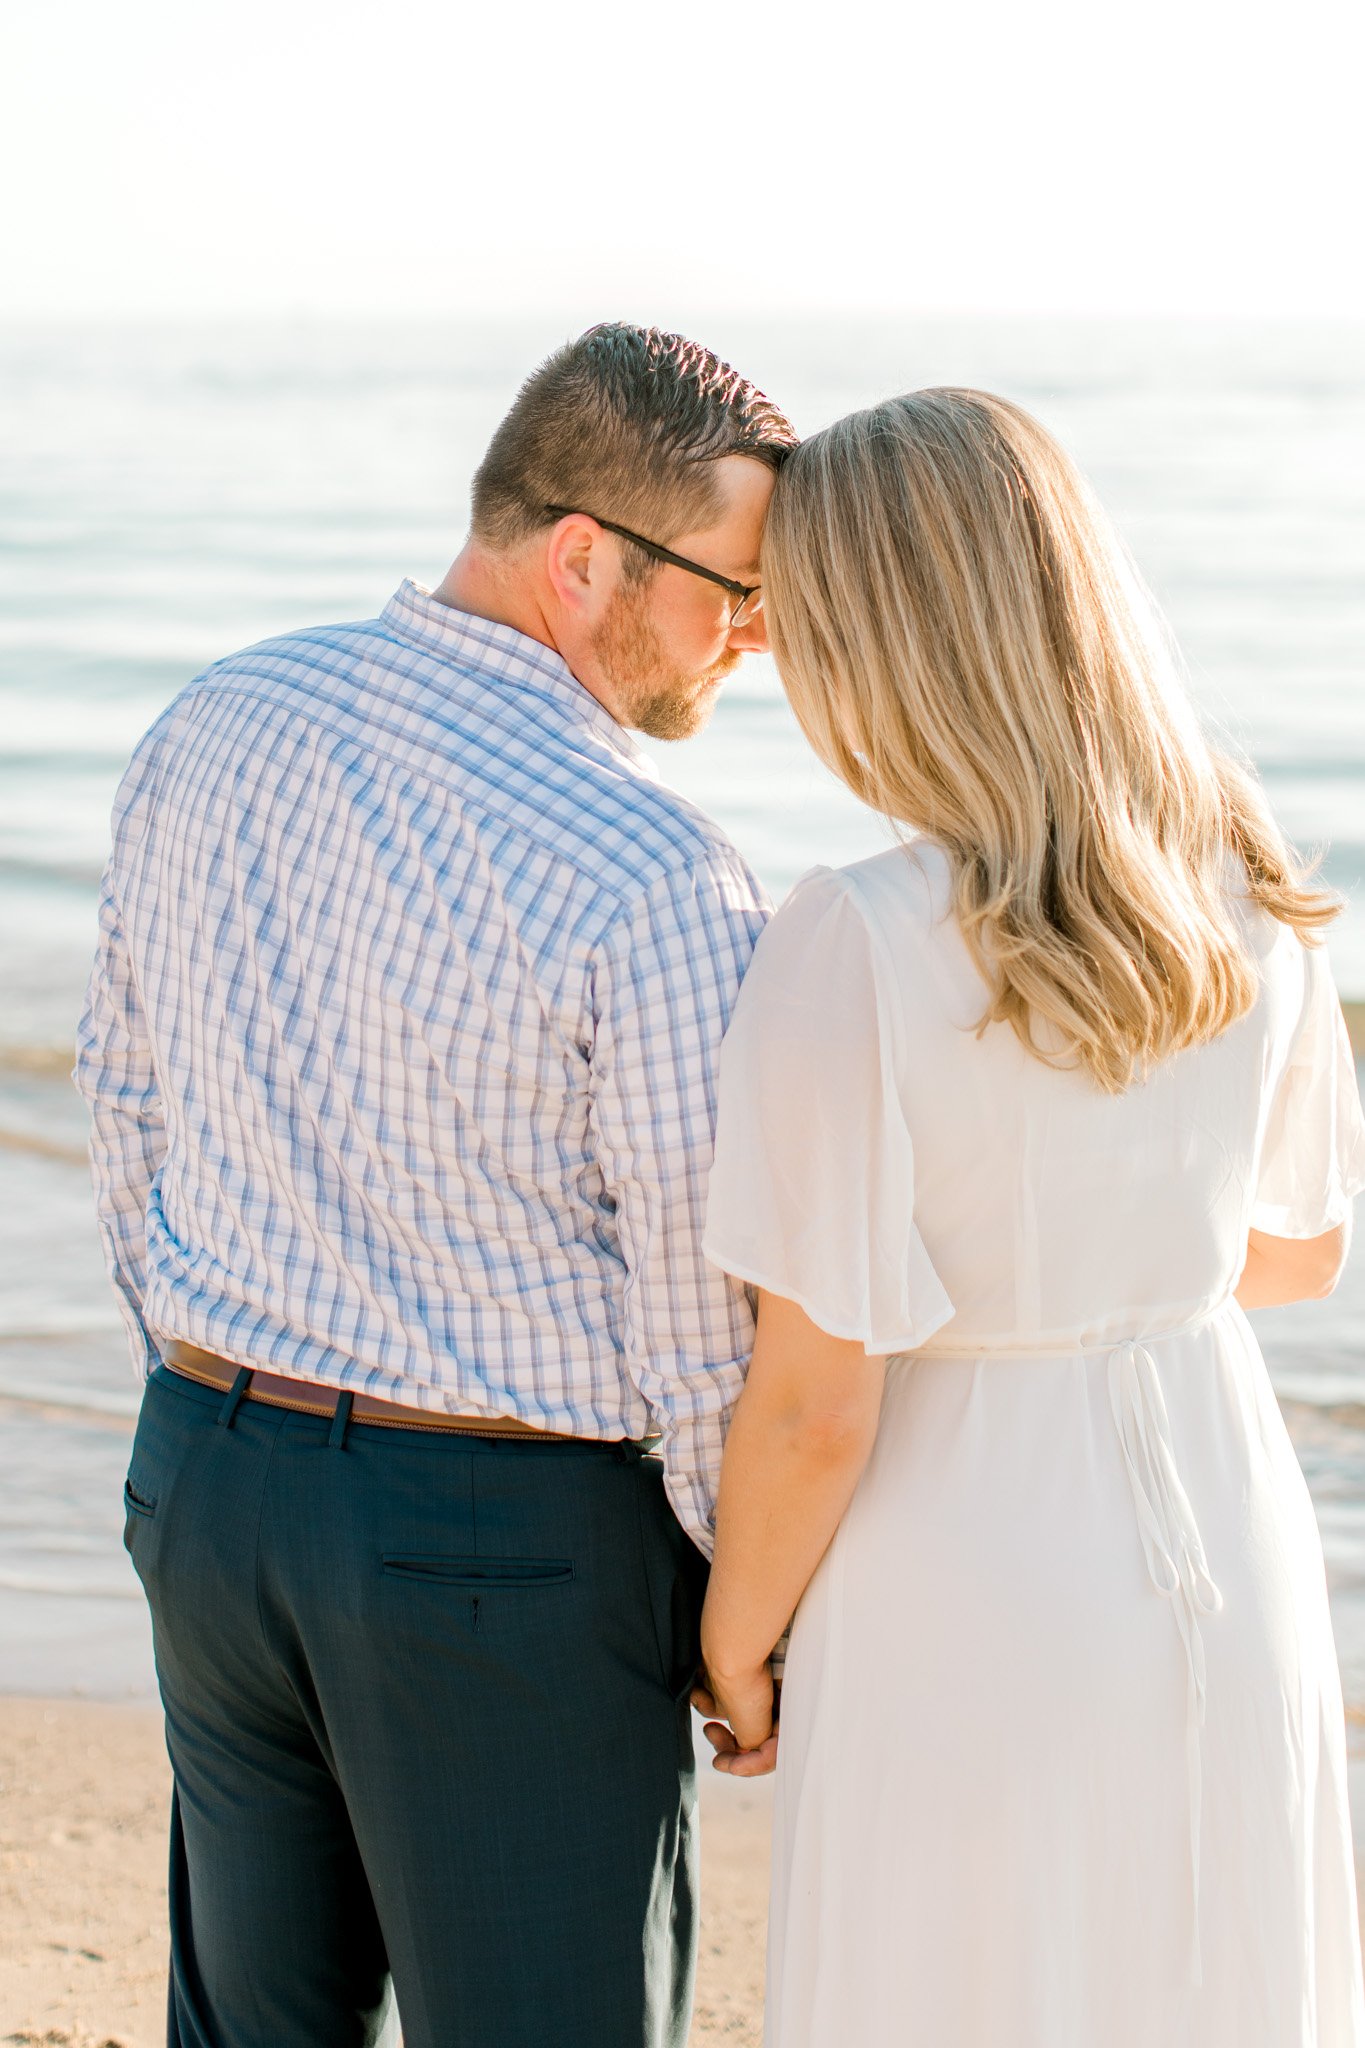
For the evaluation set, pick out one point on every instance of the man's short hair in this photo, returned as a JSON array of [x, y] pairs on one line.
[[623, 423]]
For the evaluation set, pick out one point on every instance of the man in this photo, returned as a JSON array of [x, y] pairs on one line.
[[400, 1049]]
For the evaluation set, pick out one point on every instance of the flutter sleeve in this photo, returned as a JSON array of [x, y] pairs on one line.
[[812, 1193], [1313, 1153]]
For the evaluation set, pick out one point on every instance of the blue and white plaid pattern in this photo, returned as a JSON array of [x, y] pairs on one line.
[[402, 1040]]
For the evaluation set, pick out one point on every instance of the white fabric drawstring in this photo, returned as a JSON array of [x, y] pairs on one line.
[[1171, 1542], [1173, 1549]]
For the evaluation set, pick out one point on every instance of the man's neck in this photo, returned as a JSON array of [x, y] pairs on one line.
[[478, 583], [475, 584]]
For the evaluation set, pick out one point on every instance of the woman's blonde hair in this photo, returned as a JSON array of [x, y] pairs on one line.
[[967, 646]]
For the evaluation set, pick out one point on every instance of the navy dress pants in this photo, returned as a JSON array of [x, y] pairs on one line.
[[426, 1705]]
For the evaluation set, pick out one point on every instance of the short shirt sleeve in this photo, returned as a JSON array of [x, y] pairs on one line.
[[812, 1193], [1313, 1153]]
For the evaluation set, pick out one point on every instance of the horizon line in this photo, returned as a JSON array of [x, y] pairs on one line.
[[809, 316]]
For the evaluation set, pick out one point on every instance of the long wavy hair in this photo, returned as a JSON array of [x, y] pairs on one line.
[[966, 645]]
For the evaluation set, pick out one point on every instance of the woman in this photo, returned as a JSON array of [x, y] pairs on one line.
[[1015, 1120]]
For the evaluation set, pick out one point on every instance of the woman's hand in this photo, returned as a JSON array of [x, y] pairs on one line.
[[747, 1748]]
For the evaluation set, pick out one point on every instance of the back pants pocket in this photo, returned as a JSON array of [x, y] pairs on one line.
[[476, 1573]]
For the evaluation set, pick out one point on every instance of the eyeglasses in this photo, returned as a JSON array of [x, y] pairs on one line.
[[748, 600]]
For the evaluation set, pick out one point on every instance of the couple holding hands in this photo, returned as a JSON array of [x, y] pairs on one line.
[[519, 1225]]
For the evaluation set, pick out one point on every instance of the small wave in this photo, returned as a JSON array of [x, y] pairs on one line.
[[58, 1589], [43, 1148], [38, 1062], [1324, 767], [63, 762], [74, 1404], [64, 874], [1341, 1414], [65, 1322]]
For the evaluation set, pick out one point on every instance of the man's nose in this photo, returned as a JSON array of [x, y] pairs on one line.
[[752, 637]]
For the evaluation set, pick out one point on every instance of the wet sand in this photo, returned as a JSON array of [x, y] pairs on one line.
[[84, 1790]]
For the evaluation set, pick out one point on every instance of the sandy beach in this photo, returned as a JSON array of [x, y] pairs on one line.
[[83, 1796]]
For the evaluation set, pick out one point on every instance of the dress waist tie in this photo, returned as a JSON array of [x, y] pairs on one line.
[[1173, 1549]]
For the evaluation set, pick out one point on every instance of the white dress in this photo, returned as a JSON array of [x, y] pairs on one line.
[[1062, 1760]]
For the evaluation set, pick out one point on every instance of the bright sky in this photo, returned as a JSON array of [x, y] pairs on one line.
[[1075, 156]]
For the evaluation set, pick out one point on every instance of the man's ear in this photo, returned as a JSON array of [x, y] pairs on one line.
[[579, 565]]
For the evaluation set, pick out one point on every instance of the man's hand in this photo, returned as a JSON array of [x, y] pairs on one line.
[[747, 1748]]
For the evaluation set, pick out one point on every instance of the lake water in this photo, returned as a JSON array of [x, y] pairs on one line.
[[167, 496]]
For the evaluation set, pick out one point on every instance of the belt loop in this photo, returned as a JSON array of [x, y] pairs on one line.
[[336, 1436], [234, 1395]]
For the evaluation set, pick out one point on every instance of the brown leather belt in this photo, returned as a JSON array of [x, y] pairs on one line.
[[310, 1398]]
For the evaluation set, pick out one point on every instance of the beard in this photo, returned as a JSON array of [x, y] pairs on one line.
[[656, 696]]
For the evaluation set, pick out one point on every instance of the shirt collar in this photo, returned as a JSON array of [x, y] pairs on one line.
[[501, 656]]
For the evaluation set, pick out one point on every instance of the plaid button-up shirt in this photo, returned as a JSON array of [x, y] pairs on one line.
[[402, 1039]]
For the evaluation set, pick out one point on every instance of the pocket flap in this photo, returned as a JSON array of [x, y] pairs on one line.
[[479, 1571]]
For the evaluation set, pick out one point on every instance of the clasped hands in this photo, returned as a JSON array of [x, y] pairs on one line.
[[741, 1714]]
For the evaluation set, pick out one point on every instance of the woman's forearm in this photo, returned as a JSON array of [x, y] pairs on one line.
[[1260, 1286], [1279, 1270], [799, 1439], [784, 1490]]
